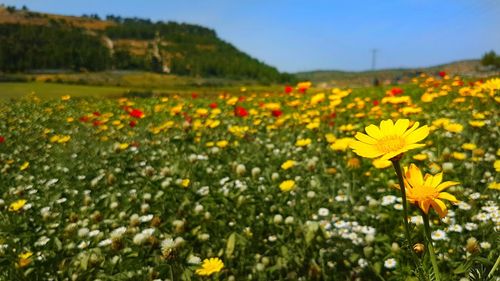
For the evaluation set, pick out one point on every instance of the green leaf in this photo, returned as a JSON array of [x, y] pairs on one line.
[[231, 242], [463, 268], [377, 267], [58, 244]]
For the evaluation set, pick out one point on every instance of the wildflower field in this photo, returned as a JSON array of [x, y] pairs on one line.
[[297, 184]]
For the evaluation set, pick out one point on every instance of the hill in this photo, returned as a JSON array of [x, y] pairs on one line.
[[31, 41], [340, 78]]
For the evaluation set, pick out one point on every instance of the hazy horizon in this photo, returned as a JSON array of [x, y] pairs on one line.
[[297, 35]]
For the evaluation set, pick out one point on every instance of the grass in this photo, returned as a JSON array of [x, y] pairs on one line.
[[49, 90], [113, 84]]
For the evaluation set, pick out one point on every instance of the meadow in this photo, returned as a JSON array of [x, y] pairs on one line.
[[263, 182]]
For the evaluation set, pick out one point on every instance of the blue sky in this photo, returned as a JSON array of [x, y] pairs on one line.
[[298, 35]]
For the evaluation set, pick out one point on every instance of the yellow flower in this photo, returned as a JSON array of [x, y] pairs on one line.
[[494, 185], [420, 157], [496, 165], [201, 111], [341, 144], [17, 205], [477, 123], [304, 85], [287, 164], [66, 97], [353, 163], [389, 140], [287, 185], [24, 166], [210, 266], [213, 123], [454, 127], [459, 155], [123, 146], [232, 101], [185, 183], [441, 122], [469, 146], [426, 191], [380, 163], [346, 128], [222, 143], [330, 138], [24, 259], [303, 142], [317, 98], [491, 85], [64, 139]]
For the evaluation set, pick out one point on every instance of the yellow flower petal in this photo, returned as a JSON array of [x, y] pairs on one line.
[[440, 207], [437, 179], [400, 126], [374, 132], [447, 196], [365, 138], [446, 184], [418, 135]]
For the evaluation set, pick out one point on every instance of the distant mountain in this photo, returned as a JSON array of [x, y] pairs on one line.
[[31, 41], [395, 75]]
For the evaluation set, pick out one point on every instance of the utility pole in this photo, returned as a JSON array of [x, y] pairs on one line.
[[374, 58]]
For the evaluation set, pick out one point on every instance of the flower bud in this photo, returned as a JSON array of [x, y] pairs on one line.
[[419, 248]]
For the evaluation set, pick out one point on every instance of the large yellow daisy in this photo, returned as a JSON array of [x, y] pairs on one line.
[[389, 140], [426, 192]]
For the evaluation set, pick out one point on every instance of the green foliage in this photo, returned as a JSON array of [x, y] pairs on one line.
[[491, 59], [27, 47], [186, 49]]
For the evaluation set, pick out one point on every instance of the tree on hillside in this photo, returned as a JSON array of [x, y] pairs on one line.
[[491, 59]]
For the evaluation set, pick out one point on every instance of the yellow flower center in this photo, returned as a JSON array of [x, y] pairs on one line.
[[390, 143]]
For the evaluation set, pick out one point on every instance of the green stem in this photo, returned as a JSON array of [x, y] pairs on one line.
[[349, 189], [428, 239], [397, 167], [494, 267]]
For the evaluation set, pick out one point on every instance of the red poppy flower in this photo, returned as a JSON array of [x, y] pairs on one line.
[[132, 123], [442, 73], [2, 139], [97, 113], [241, 99], [84, 119], [333, 115], [277, 113], [303, 90], [261, 104], [213, 105], [396, 91], [376, 102], [240, 111], [97, 123], [136, 113], [194, 95], [288, 89]]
